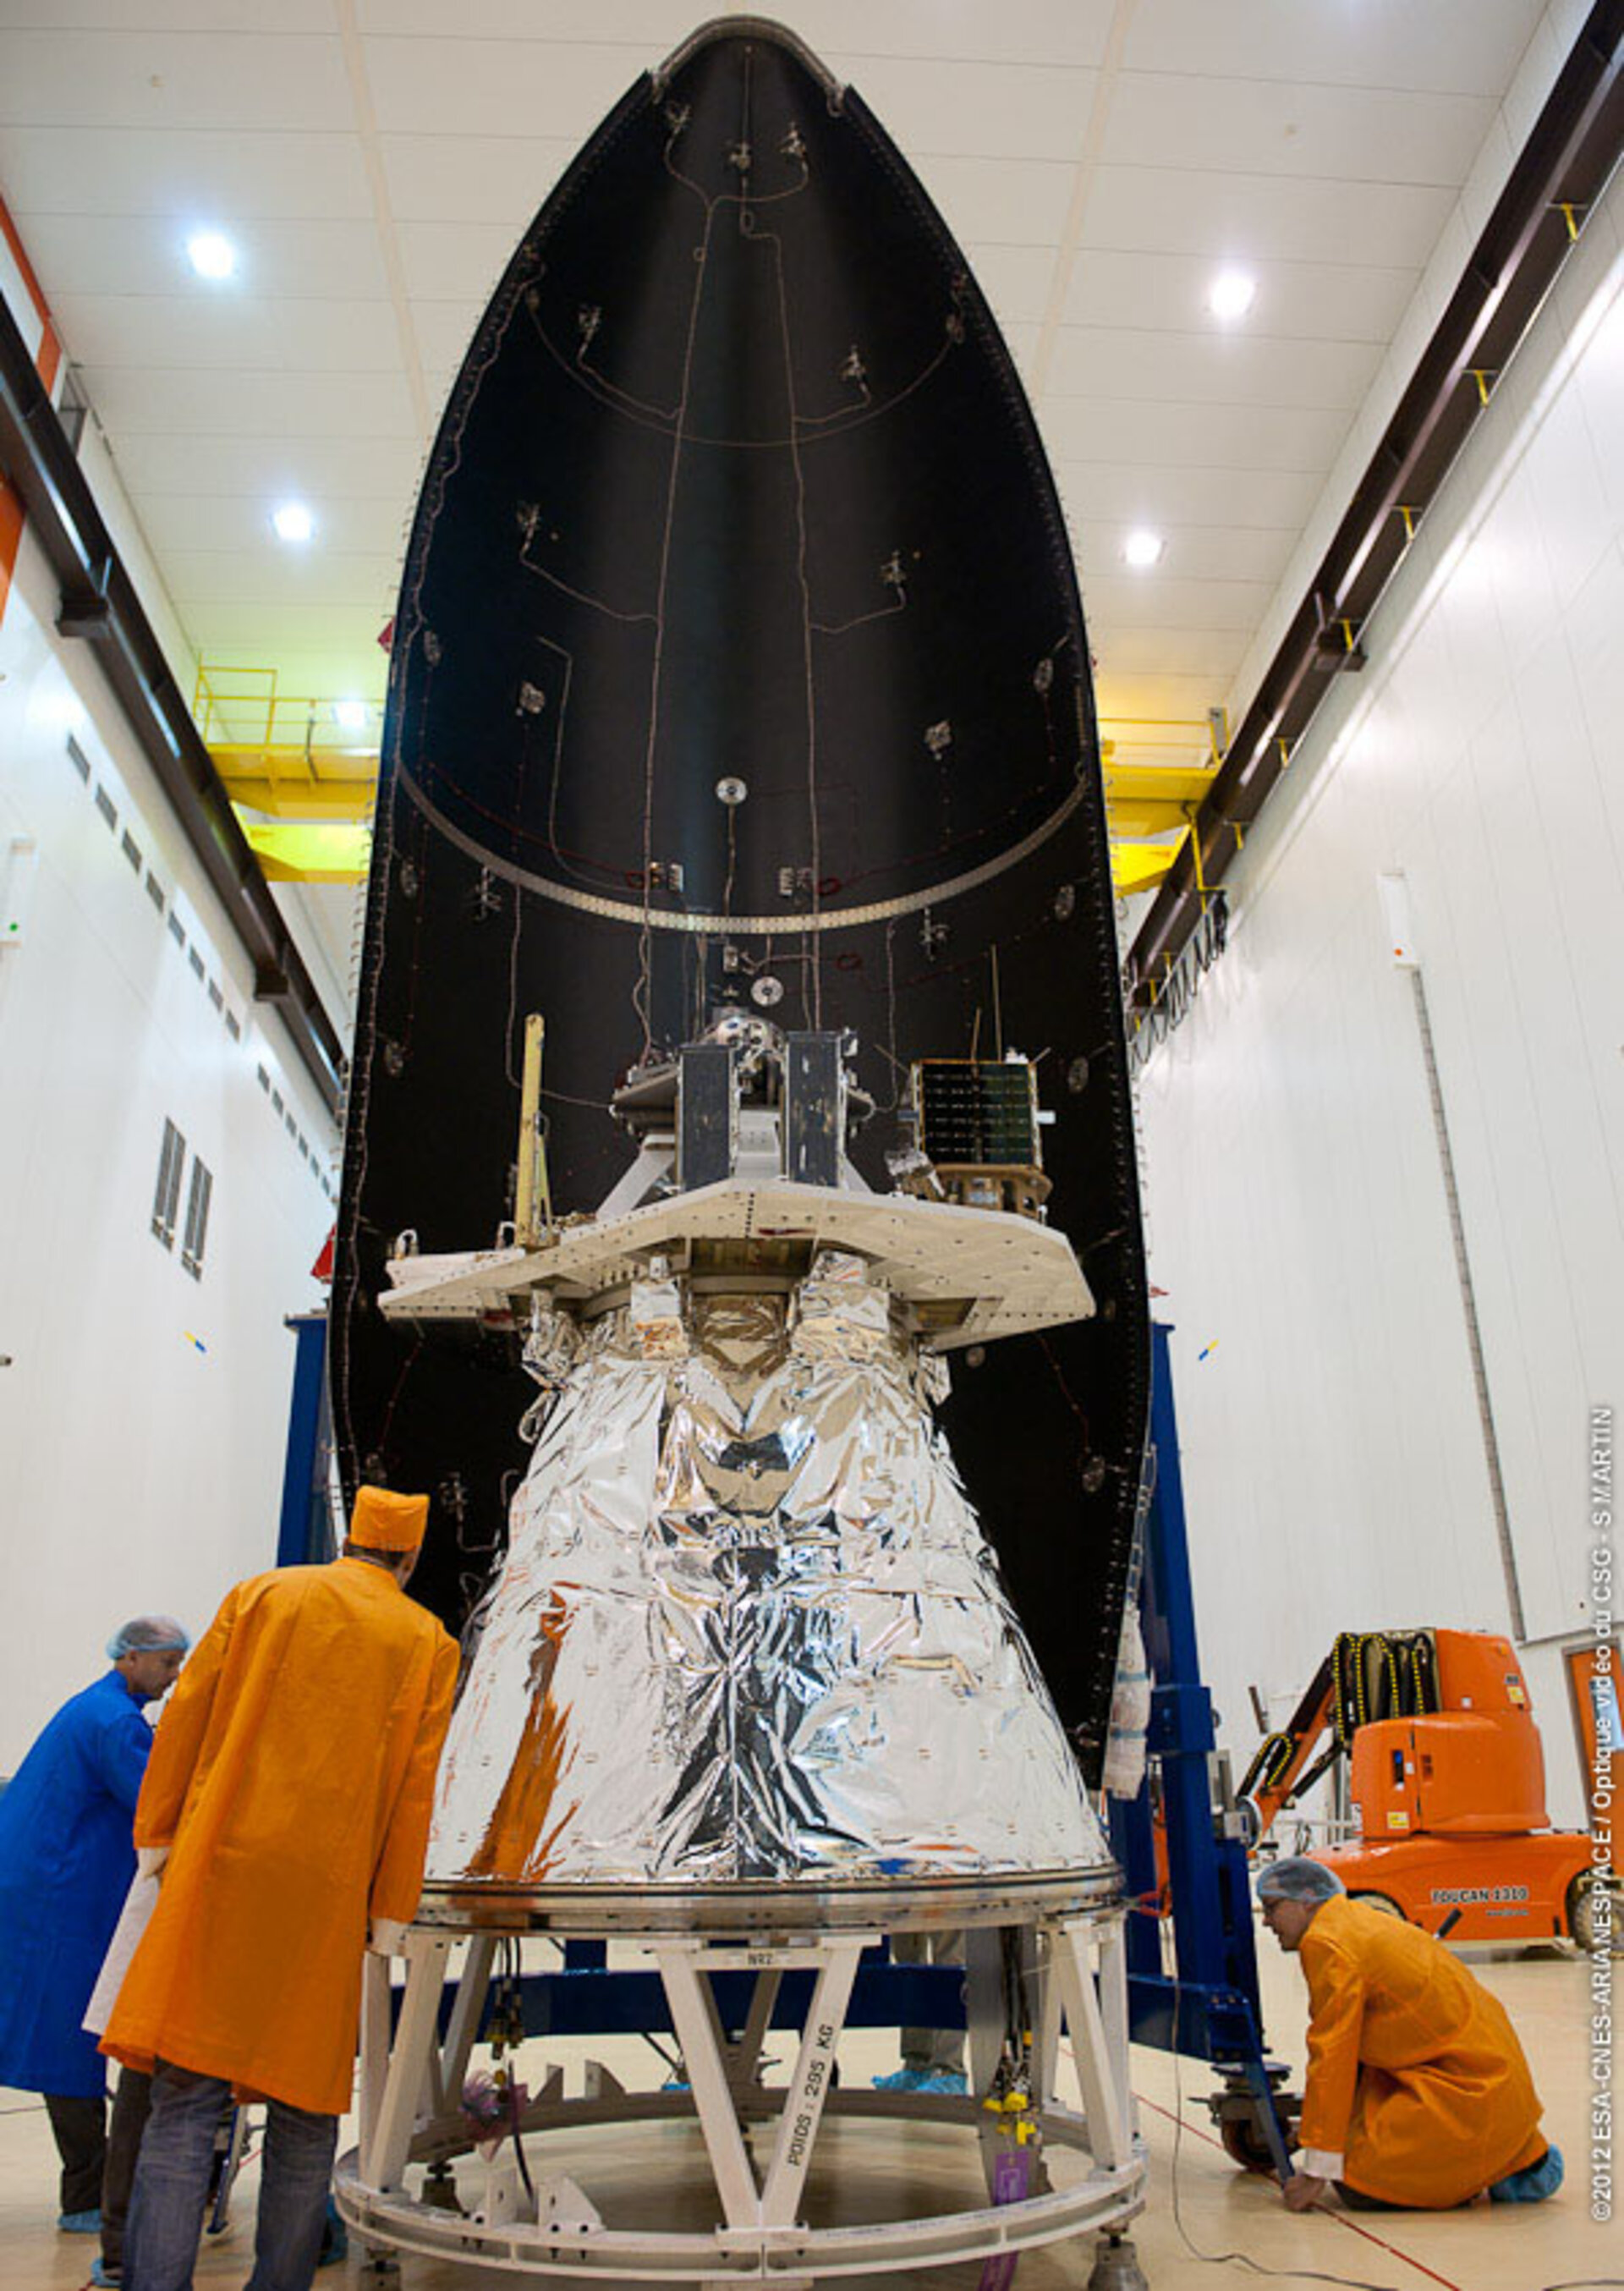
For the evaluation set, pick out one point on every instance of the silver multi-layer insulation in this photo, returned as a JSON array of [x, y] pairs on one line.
[[748, 1628]]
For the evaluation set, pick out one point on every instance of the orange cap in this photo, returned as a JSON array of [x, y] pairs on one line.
[[383, 1521]]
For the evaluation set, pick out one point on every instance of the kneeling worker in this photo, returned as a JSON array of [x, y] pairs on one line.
[[1419, 2095], [287, 1802]]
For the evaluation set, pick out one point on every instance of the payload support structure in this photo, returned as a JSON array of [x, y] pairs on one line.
[[752, 1723]]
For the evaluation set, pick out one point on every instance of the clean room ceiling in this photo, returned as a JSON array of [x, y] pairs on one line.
[[373, 162]]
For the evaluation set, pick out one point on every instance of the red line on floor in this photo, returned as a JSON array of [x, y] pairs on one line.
[[1340, 2219]]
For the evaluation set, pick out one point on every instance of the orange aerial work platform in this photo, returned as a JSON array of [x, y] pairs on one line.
[[1448, 1778]]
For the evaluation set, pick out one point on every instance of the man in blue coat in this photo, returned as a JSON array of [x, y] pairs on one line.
[[66, 1863]]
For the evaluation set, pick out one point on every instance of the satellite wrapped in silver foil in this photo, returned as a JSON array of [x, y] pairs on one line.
[[748, 1628]]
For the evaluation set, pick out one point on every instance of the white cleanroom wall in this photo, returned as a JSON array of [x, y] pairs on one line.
[[1334, 1456], [144, 1413]]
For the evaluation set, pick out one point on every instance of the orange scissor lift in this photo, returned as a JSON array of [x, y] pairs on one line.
[[1448, 1778]]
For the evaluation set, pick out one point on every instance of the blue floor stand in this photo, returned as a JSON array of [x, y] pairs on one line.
[[1209, 2008]]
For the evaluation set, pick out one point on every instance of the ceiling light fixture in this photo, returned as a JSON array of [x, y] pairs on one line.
[[1232, 294], [211, 255], [1142, 549], [349, 715], [293, 522]]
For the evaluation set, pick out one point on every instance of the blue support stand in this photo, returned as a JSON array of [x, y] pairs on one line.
[[1211, 2009], [305, 1535]]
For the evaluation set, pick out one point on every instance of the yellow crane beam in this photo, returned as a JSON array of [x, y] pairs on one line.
[[322, 784], [309, 850], [306, 806]]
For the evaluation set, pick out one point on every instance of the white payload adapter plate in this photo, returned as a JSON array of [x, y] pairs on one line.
[[1008, 1274]]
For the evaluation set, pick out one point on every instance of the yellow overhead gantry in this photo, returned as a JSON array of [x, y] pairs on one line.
[[302, 773]]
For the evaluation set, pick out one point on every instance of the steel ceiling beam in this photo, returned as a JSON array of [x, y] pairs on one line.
[[99, 605], [1564, 167]]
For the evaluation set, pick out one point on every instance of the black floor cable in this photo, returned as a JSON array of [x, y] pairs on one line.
[[1299, 2274], [1237, 2258]]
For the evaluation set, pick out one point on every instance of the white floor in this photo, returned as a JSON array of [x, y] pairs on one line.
[[1217, 2210]]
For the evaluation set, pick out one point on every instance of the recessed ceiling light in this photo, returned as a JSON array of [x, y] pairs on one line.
[[212, 256], [349, 715], [1232, 294], [293, 522], [1142, 549]]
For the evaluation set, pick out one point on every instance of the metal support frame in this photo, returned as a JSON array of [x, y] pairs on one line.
[[1211, 2009], [411, 2088]]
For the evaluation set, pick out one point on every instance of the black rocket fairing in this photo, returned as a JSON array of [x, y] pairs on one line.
[[739, 656]]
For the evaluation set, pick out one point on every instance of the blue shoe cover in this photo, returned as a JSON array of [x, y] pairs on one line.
[[1534, 2184], [100, 2277], [334, 2237], [80, 2223], [946, 2080], [903, 2080]]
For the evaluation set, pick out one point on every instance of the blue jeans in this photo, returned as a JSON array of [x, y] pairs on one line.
[[171, 2183]]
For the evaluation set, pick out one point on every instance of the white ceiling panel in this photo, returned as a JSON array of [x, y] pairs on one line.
[[1022, 202], [266, 573], [843, 32], [1017, 281], [444, 331], [119, 78], [234, 332], [456, 262], [1119, 598], [454, 179], [1194, 434], [1210, 553], [171, 399], [451, 86], [1150, 494], [310, 662], [123, 254], [1321, 302], [182, 464], [1214, 653], [1237, 215], [1220, 370], [193, 524], [168, 15], [198, 176], [1168, 697], [1469, 46], [1270, 128], [298, 631], [978, 109]]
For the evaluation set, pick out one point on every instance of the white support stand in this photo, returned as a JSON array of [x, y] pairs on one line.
[[411, 2092]]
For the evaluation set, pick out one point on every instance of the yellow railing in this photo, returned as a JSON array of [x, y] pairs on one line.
[[303, 782], [288, 755]]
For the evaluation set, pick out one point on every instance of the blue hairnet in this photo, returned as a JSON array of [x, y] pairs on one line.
[[1297, 1878], [148, 1634]]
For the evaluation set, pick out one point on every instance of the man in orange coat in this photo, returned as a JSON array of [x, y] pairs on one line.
[[1419, 2095], [287, 1802]]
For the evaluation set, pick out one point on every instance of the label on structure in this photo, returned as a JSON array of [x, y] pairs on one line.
[[1399, 1820]]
